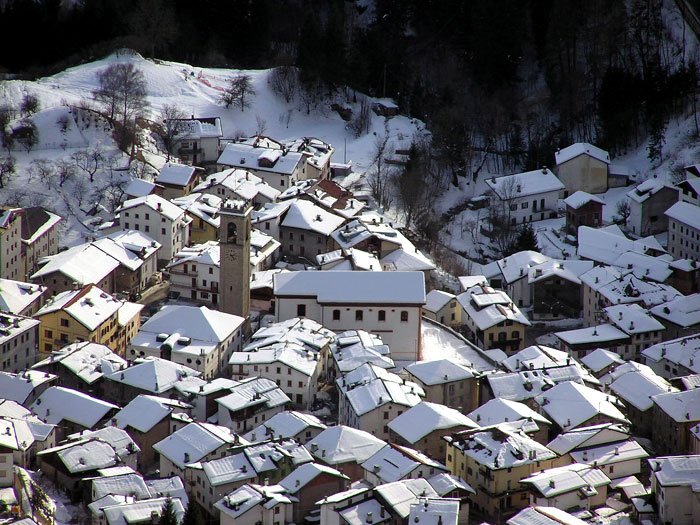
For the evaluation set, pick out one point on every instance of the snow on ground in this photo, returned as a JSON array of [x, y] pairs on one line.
[[195, 91]]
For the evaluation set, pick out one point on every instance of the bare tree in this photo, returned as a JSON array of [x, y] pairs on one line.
[[65, 171], [284, 81], [623, 210], [6, 116], [361, 122], [171, 125], [503, 228], [260, 125], [30, 104], [27, 134], [237, 92], [123, 92], [89, 161], [7, 170], [381, 177], [43, 169]]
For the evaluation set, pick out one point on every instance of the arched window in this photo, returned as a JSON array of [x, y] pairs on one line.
[[231, 233]]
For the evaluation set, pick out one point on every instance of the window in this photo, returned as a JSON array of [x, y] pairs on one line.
[[524, 205], [64, 322], [147, 228], [301, 310], [148, 216], [48, 334], [211, 271], [336, 315], [162, 231], [404, 316], [381, 315], [358, 315], [126, 225]]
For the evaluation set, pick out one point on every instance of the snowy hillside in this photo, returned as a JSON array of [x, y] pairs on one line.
[[195, 91]]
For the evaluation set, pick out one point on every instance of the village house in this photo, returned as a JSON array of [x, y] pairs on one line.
[[274, 164], [177, 180], [249, 403], [192, 443], [601, 361], [358, 300], [11, 244], [583, 209], [345, 449], [136, 253], [39, 237], [493, 319], [116, 510], [306, 229], [196, 140], [443, 307], [555, 289], [635, 384], [352, 349], [310, 483], [570, 487], [269, 217], [395, 462], [71, 411], [496, 459], [569, 405], [288, 424], [684, 231], [19, 342], [674, 358], [679, 314], [605, 245], [140, 188], [648, 202], [88, 314], [641, 327], [498, 410], [436, 421], [349, 259], [544, 516], [252, 504], [447, 383], [327, 194], [674, 414], [527, 197], [264, 251], [82, 366], [689, 189], [584, 167], [160, 219], [22, 438], [147, 419], [238, 184], [686, 276], [77, 267], [674, 485], [370, 397], [194, 273], [20, 298], [317, 156], [203, 209], [198, 338], [606, 446], [202, 394]]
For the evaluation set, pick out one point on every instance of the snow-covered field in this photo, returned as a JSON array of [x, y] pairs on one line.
[[196, 92]]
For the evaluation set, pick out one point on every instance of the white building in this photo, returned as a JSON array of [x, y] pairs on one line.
[[277, 166], [684, 231], [160, 219], [20, 298], [386, 303], [674, 484], [238, 184], [196, 140], [19, 342], [254, 504]]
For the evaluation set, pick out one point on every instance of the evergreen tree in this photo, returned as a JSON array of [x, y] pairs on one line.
[[526, 240], [192, 516], [167, 513]]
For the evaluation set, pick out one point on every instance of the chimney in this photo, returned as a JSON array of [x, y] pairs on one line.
[[187, 457], [369, 517], [159, 206]]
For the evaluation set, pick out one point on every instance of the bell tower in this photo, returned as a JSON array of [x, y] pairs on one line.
[[234, 257]]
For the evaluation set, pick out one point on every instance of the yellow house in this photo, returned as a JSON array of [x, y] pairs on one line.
[[203, 209], [583, 167], [88, 314], [443, 307], [493, 460]]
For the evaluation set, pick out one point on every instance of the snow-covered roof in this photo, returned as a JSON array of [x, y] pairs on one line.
[[609, 453], [560, 480], [499, 410], [194, 442], [145, 411], [569, 270], [361, 512], [303, 475], [498, 448], [525, 184], [139, 188], [302, 331], [83, 264], [432, 417], [119, 439], [242, 182], [406, 259], [685, 213], [229, 469], [635, 384], [604, 333], [202, 206], [353, 287], [18, 387], [285, 424], [584, 437], [684, 351], [645, 266], [605, 247], [131, 484], [83, 456], [517, 266], [270, 211], [197, 128], [570, 404], [158, 204], [676, 471], [444, 483], [682, 310], [440, 371], [349, 259], [649, 188], [401, 495], [599, 359], [580, 148], [175, 174], [538, 515], [87, 360], [15, 296], [394, 462], [248, 156], [632, 319], [434, 511], [487, 307], [152, 374], [90, 306], [57, 403], [141, 511], [253, 391], [129, 247], [249, 496], [342, 444], [536, 357], [292, 355], [580, 198], [354, 348], [306, 215], [682, 406]]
